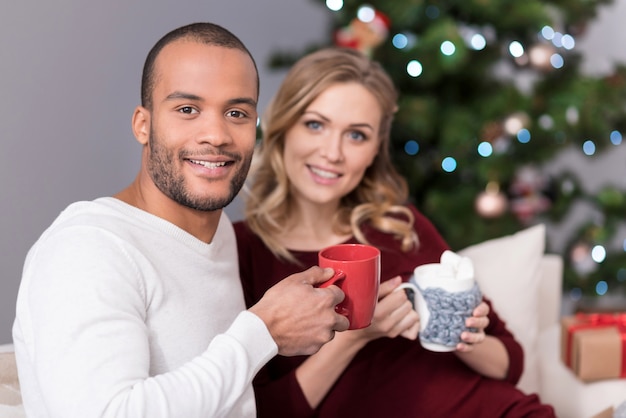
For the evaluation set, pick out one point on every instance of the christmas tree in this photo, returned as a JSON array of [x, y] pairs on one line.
[[489, 91]]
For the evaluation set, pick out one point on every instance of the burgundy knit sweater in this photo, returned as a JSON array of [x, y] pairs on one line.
[[388, 377]]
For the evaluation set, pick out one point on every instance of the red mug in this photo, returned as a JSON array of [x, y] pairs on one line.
[[357, 274]]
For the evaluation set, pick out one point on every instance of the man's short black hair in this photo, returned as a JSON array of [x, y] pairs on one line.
[[203, 32]]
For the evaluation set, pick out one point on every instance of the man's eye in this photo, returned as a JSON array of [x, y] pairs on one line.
[[237, 114], [187, 110]]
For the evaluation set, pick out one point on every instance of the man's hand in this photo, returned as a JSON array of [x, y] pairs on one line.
[[300, 316]]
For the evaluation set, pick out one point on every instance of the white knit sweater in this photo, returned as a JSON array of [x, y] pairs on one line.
[[123, 314]]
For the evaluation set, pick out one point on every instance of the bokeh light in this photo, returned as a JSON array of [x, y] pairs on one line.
[[414, 68], [616, 137], [516, 49], [598, 253], [602, 287], [400, 41], [478, 42], [432, 12], [411, 147], [448, 164], [334, 5], [547, 32], [576, 293], [523, 136], [366, 13], [568, 42], [485, 149], [447, 48], [589, 148], [557, 61]]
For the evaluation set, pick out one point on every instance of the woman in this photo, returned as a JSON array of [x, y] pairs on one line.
[[324, 176]]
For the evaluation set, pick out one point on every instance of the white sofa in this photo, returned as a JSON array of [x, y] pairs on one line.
[[10, 400], [570, 397], [525, 286]]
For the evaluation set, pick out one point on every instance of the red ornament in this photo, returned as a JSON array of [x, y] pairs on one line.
[[491, 203], [364, 36]]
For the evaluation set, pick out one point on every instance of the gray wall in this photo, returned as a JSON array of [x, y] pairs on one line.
[[69, 80]]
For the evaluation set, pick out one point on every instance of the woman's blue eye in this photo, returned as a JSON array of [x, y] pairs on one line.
[[357, 135], [313, 125]]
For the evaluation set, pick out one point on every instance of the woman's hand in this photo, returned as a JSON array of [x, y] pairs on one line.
[[394, 315], [479, 321]]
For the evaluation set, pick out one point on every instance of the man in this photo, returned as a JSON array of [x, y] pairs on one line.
[[131, 305]]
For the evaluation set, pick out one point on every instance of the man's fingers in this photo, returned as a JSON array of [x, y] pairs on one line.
[[342, 323]]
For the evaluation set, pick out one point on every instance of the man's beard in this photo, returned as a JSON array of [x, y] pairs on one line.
[[162, 169]]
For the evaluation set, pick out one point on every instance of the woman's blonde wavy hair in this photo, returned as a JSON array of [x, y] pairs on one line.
[[381, 192]]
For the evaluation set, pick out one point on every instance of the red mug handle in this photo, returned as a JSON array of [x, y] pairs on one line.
[[338, 277]]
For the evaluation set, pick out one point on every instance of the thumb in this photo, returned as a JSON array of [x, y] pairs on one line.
[[316, 275]]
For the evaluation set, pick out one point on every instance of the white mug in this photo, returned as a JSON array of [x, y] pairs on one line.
[[444, 295]]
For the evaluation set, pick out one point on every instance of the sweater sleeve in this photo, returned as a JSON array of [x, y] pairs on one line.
[[497, 328], [83, 345]]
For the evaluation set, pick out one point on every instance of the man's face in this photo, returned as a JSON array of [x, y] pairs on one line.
[[203, 124]]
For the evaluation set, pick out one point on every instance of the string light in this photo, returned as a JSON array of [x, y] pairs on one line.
[[557, 61], [589, 148], [334, 5], [546, 122], [411, 147], [404, 40], [616, 137], [400, 41], [485, 149], [366, 14], [448, 164], [516, 49], [447, 48], [432, 12], [557, 39], [568, 42], [478, 42], [414, 68], [575, 293], [547, 32], [598, 253], [523, 136]]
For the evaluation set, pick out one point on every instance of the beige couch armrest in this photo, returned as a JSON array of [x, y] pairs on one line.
[[550, 290]]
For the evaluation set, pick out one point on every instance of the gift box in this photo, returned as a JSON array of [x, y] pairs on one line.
[[593, 346]]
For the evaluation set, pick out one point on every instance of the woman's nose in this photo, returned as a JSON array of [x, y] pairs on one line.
[[332, 149]]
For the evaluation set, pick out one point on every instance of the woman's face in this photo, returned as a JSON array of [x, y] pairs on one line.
[[329, 148]]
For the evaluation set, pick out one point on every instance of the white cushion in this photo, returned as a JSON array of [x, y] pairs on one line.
[[12, 411], [508, 273], [571, 397]]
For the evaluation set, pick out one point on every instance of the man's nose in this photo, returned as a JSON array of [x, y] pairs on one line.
[[214, 129]]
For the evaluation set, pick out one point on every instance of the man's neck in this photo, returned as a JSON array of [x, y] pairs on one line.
[[200, 224]]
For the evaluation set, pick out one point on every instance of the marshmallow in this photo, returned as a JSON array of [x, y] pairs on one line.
[[462, 267]]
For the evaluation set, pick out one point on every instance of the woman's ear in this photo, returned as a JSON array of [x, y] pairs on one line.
[[141, 124]]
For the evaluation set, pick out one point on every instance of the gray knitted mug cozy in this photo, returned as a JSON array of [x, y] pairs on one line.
[[448, 311]]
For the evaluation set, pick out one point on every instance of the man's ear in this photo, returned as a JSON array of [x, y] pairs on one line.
[[141, 124]]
